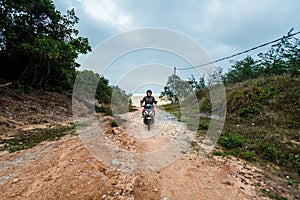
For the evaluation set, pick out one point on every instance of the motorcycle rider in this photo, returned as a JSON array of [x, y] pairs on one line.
[[149, 99]]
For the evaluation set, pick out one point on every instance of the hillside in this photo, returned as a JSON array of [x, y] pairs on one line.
[[41, 151], [264, 116], [262, 124], [42, 157]]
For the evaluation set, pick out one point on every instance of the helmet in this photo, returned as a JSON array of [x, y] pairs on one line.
[[149, 91]]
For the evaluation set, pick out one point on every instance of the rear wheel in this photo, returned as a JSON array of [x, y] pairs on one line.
[[148, 126]]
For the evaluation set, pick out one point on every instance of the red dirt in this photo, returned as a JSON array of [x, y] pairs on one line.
[[65, 169]]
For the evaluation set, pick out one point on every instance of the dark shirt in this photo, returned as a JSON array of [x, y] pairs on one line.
[[148, 100]]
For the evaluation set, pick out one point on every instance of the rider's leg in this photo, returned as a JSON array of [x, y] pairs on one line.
[[143, 110]]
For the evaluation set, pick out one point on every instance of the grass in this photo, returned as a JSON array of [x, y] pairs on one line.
[[262, 122], [174, 109], [31, 138], [273, 195], [106, 109]]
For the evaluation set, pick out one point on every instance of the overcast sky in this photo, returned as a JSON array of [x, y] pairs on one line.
[[221, 27]]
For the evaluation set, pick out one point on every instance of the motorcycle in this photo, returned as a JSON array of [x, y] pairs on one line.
[[149, 115]]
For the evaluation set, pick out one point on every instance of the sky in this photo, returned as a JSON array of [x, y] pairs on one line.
[[220, 27]]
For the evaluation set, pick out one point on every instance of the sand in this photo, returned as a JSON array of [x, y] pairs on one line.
[[136, 100]]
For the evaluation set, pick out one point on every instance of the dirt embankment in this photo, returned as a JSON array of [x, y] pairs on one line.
[[68, 169], [32, 110]]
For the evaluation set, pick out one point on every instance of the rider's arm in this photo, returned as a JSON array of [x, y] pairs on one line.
[[142, 101], [154, 101]]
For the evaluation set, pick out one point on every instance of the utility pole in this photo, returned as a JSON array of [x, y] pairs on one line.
[[174, 87]]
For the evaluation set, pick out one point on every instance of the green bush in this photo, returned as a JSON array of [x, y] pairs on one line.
[[219, 153], [205, 105], [250, 111], [106, 109], [231, 140], [113, 123], [248, 155], [203, 125]]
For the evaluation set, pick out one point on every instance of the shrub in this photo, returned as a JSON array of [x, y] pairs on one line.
[[205, 105], [113, 123], [250, 111], [106, 109], [219, 153], [231, 140], [248, 155], [203, 125]]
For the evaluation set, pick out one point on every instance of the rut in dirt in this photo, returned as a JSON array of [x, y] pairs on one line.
[[162, 145]]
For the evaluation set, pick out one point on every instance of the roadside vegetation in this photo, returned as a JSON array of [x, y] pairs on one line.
[[263, 110], [38, 50]]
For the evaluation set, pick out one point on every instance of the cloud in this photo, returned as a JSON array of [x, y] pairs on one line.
[[221, 27], [109, 12]]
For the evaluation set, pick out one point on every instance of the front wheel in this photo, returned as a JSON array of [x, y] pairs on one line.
[[148, 126]]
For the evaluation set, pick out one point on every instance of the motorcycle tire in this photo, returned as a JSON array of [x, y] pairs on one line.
[[148, 126]]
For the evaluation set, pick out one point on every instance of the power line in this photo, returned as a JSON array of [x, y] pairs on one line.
[[240, 53]]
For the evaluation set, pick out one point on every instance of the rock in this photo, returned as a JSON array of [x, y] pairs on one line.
[[250, 173], [101, 169], [103, 196], [113, 181], [227, 182], [73, 185], [116, 130], [15, 180], [73, 192], [115, 161]]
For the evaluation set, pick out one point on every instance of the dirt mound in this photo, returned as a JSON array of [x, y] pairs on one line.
[[66, 170], [18, 111]]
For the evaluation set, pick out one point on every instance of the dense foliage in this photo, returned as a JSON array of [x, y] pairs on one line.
[[282, 58], [110, 99], [263, 107], [39, 45], [181, 89]]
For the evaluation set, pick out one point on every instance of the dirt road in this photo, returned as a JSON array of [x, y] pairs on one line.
[[70, 169]]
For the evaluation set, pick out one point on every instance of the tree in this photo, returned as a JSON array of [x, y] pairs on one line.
[[197, 84], [215, 77], [292, 56], [39, 45], [242, 70], [177, 92], [120, 101], [91, 83], [281, 57], [272, 61]]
